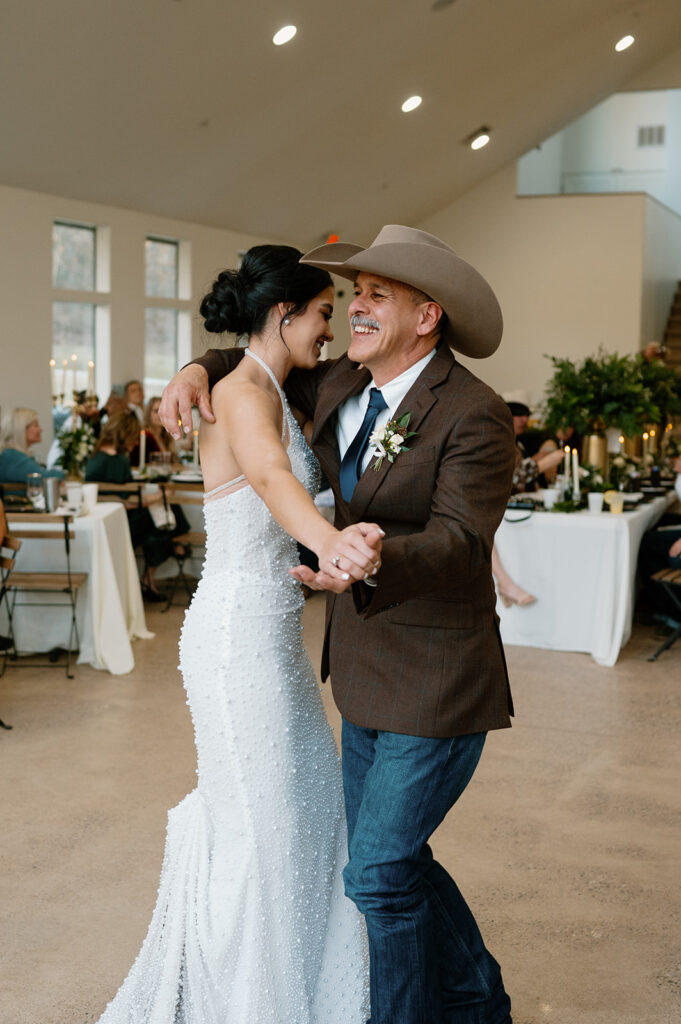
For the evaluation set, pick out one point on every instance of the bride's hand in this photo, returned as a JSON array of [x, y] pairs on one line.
[[353, 553]]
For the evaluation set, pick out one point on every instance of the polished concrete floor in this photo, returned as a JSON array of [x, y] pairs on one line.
[[567, 843]]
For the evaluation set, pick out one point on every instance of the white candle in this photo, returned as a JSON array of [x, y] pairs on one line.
[[143, 449], [74, 363], [196, 447], [575, 475], [620, 440], [645, 445], [64, 364], [53, 376], [91, 377], [566, 466]]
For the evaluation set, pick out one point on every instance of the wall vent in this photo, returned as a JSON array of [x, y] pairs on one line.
[[651, 135]]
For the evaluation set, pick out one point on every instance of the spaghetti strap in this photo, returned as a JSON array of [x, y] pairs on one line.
[[270, 373], [207, 495]]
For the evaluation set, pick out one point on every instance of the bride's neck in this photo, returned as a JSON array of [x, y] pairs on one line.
[[273, 352]]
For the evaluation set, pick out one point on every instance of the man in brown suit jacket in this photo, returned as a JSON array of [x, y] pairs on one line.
[[414, 654]]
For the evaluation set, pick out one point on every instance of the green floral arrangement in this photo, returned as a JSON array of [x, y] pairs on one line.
[[592, 479], [76, 444], [663, 384], [621, 468], [605, 390]]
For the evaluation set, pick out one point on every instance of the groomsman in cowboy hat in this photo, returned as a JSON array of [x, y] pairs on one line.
[[414, 654]]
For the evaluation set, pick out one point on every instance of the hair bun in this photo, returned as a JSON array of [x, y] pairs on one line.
[[224, 308]]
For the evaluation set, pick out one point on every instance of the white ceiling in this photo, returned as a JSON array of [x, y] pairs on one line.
[[184, 108]]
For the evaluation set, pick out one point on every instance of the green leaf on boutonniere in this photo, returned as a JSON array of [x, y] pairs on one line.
[[389, 440]]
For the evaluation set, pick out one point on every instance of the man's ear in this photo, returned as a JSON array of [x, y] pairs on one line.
[[430, 316]]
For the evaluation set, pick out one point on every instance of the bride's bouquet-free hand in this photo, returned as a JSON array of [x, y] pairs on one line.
[[388, 441]]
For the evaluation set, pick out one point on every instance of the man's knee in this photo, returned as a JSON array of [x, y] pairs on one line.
[[393, 887]]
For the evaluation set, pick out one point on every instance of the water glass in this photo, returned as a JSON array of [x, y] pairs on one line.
[[617, 502], [74, 497], [595, 499], [34, 491]]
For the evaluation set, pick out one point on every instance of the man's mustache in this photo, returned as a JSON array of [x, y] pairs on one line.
[[364, 321]]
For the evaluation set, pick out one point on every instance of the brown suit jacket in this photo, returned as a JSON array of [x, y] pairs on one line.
[[420, 653]]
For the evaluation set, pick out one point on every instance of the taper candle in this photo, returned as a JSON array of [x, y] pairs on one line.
[[64, 365], [91, 377], [575, 475], [74, 363], [566, 465], [53, 376], [143, 449], [196, 447]]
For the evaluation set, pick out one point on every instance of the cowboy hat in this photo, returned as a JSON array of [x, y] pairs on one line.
[[473, 322]]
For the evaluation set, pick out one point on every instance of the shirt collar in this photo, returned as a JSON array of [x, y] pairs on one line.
[[394, 391]]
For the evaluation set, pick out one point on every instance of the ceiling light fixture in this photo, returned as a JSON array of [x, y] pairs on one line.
[[479, 138], [624, 43], [284, 35], [411, 104]]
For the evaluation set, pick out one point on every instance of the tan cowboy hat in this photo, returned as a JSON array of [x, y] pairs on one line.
[[473, 324]]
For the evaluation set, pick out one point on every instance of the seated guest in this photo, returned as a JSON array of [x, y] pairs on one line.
[[19, 431], [133, 397], [661, 549], [529, 467], [110, 463], [157, 437]]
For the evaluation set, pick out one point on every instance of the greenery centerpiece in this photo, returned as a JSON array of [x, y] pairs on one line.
[[76, 443]]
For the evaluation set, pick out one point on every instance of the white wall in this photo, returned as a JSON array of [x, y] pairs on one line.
[[26, 293], [661, 268], [567, 271]]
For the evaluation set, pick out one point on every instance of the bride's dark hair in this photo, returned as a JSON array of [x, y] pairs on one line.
[[240, 300]]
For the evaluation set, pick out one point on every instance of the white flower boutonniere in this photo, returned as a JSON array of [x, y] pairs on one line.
[[388, 441]]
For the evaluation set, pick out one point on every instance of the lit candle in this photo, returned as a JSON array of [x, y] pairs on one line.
[[91, 377], [143, 449], [196, 447], [53, 376], [566, 464], [621, 442], [64, 364], [74, 363], [645, 445], [575, 475]]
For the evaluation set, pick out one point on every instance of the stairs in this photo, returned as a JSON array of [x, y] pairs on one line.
[[672, 334]]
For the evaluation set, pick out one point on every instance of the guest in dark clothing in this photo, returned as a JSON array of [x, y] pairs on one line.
[[661, 549], [529, 467], [110, 463]]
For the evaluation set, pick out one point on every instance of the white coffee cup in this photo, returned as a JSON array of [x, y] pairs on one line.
[[90, 497], [595, 499], [74, 496]]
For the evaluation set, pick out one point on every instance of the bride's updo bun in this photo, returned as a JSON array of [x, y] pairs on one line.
[[240, 300]]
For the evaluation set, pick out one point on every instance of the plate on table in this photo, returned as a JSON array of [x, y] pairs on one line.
[[187, 478], [654, 492]]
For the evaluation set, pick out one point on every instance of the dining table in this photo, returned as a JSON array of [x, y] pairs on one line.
[[109, 609], [581, 568]]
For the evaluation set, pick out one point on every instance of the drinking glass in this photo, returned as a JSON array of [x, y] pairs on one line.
[[34, 491]]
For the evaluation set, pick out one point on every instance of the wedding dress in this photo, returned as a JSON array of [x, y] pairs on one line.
[[252, 925]]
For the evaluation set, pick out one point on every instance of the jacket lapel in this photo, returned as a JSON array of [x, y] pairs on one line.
[[418, 401]]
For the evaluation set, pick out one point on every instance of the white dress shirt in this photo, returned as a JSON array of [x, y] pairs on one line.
[[351, 413]]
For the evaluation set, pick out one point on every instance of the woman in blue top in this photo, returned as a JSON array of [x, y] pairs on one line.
[[20, 430]]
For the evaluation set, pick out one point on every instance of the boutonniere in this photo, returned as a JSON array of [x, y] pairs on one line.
[[388, 441]]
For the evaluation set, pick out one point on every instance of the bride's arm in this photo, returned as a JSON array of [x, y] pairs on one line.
[[247, 424]]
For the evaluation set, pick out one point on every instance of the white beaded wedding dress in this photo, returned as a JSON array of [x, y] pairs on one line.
[[251, 924]]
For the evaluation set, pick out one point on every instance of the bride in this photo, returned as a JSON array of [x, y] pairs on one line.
[[251, 924]]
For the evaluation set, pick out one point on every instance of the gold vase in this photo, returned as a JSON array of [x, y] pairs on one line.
[[633, 446], [595, 452]]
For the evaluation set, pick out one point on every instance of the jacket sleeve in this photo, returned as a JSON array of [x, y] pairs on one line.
[[218, 362], [473, 484]]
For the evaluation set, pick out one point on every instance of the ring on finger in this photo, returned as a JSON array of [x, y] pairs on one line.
[[335, 561]]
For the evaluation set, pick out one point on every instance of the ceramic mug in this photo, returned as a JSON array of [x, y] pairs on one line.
[[595, 499]]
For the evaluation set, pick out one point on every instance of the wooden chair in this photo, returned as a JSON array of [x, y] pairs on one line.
[[671, 581], [190, 539], [15, 583]]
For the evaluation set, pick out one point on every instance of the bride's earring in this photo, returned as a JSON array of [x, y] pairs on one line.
[[286, 321]]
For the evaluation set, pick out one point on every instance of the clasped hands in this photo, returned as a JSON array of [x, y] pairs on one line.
[[348, 556]]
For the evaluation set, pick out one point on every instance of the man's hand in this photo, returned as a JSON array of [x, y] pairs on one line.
[[674, 551], [361, 559], [188, 387]]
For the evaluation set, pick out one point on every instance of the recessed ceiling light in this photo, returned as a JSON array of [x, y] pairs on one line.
[[284, 35], [411, 104], [624, 43], [479, 138]]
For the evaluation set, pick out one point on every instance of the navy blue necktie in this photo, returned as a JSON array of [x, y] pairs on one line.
[[351, 466]]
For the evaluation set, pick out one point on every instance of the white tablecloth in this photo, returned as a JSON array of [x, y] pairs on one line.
[[109, 612], [581, 567]]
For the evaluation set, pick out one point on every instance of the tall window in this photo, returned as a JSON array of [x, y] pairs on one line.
[[165, 327], [74, 270]]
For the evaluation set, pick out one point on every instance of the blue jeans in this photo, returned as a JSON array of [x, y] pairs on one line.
[[429, 964]]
